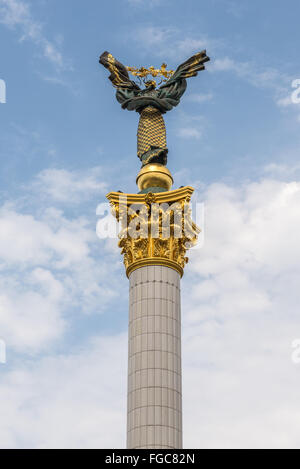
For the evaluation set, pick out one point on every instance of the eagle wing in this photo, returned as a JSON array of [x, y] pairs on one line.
[[118, 72], [189, 68]]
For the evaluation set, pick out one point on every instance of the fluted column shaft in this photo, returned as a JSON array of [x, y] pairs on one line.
[[154, 371]]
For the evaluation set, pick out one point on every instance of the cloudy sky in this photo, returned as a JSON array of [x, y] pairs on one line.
[[65, 142]]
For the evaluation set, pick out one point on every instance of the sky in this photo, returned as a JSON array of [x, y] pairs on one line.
[[65, 142]]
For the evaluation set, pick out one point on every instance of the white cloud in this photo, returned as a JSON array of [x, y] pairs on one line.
[[223, 64], [190, 45], [28, 240], [255, 75], [31, 310], [157, 40], [70, 187], [48, 265], [16, 13], [249, 216], [190, 126], [283, 172], [267, 78], [240, 313], [153, 35], [75, 400], [284, 102], [190, 132], [200, 97]]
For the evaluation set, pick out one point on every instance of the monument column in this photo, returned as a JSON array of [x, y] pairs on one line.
[[154, 262], [156, 230], [154, 366]]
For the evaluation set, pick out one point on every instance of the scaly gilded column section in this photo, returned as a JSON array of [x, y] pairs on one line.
[[158, 228]]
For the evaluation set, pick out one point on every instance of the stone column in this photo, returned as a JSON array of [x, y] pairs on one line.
[[154, 370], [154, 260]]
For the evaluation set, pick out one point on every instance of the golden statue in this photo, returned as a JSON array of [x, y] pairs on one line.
[[152, 101]]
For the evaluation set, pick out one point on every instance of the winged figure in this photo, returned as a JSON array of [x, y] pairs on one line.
[[152, 102]]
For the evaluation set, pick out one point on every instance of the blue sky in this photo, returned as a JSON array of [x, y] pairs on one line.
[[65, 142]]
